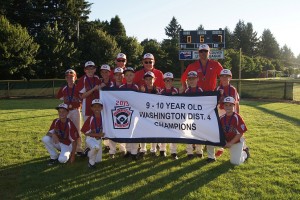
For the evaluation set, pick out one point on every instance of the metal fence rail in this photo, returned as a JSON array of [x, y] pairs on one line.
[[256, 88]]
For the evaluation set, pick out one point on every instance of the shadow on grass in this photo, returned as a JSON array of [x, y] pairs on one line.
[[33, 117], [258, 105], [113, 179]]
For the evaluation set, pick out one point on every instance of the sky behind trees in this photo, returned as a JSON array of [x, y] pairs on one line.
[[147, 19]]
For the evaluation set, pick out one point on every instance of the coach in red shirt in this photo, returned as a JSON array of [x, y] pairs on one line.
[[148, 63], [208, 70]]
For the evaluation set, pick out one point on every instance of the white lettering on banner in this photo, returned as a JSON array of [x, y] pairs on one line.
[[130, 116]]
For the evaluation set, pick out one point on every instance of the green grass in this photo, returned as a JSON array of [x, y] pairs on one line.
[[272, 172]]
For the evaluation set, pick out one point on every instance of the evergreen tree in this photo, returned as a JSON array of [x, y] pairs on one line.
[[116, 28], [229, 39], [172, 30], [17, 51], [200, 28], [268, 46], [56, 54]]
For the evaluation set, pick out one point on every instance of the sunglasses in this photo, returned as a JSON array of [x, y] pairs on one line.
[[203, 51], [120, 60], [150, 62]]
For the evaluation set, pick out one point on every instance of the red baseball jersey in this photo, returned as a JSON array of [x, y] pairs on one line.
[[85, 84], [92, 124], [133, 87], [207, 74], [171, 91], [66, 132], [159, 81], [193, 90], [70, 96], [228, 90], [232, 125]]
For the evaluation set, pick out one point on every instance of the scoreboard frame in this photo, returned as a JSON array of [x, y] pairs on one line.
[[191, 39]]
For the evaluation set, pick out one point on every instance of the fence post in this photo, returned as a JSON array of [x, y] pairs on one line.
[[8, 95], [53, 95], [284, 91]]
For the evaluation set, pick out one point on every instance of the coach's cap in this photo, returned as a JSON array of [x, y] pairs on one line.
[[229, 100], [118, 70], [226, 72], [121, 56], [203, 47], [89, 64], [149, 74], [128, 69], [62, 105], [70, 72], [192, 74], [105, 67], [168, 75], [97, 101], [149, 56]]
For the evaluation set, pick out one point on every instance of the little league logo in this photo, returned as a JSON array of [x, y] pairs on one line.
[[122, 117]]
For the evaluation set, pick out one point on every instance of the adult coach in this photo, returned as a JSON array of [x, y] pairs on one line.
[[208, 71], [148, 63]]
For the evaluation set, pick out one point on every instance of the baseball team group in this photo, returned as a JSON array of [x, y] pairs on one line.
[[81, 100]]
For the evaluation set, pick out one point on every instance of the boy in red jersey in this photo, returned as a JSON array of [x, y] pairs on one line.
[[193, 88], [169, 89], [70, 96], [234, 128], [62, 136], [88, 87], [129, 73], [93, 130]]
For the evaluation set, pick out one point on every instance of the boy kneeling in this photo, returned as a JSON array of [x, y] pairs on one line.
[[234, 128], [62, 136]]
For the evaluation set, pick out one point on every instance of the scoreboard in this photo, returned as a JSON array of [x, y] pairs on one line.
[[192, 39]]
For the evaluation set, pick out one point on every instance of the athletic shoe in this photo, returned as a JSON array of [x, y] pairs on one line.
[[210, 160], [162, 154], [142, 154], [91, 166], [199, 155], [106, 149], [112, 156], [190, 156], [85, 152], [52, 162], [127, 155], [79, 154], [174, 156], [247, 152], [153, 154]]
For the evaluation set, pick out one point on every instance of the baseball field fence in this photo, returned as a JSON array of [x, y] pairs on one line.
[[288, 89]]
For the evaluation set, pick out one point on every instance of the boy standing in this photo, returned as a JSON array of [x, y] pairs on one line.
[[192, 80], [62, 136], [93, 130], [169, 90], [234, 128], [131, 148], [88, 87], [70, 96]]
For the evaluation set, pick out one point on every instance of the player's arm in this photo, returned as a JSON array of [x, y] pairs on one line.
[[237, 107], [88, 93], [234, 140], [74, 145]]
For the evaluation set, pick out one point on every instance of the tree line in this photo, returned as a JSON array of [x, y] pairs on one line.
[[41, 39]]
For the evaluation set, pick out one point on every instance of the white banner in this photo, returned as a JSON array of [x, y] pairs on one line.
[[130, 116]]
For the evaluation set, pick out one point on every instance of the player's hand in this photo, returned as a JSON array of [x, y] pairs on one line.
[[181, 89], [102, 85], [142, 88], [97, 87], [72, 158], [228, 145], [55, 138]]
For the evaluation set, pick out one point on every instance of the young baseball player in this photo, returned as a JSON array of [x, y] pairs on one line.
[[70, 95], [192, 80], [88, 87], [169, 89], [62, 136], [131, 148], [234, 128], [149, 87], [226, 89], [120, 62], [118, 77], [93, 130]]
